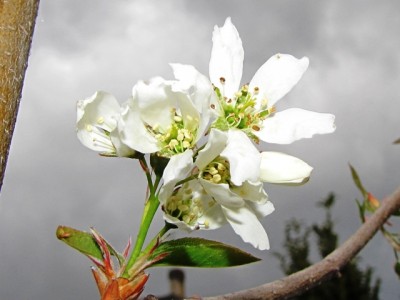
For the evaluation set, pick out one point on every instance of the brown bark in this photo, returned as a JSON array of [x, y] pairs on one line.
[[17, 20], [327, 268]]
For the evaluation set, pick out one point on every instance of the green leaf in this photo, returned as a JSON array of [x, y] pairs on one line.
[[84, 242], [361, 210], [197, 252], [397, 268], [358, 183], [79, 240]]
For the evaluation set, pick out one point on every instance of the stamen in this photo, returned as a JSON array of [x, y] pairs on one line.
[[177, 119], [100, 120]]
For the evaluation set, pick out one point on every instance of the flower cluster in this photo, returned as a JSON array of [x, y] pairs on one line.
[[209, 130]]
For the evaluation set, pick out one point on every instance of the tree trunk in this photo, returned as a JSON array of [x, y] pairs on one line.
[[17, 21]]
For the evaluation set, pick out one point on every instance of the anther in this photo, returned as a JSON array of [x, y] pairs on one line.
[[100, 120], [222, 80]]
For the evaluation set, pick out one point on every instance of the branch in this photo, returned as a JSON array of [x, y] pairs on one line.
[[17, 20], [327, 268]]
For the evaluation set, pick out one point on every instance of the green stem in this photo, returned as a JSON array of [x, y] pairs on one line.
[[156, 239], [150, 210]]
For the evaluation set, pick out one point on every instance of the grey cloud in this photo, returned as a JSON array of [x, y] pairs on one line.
[[80, 47]]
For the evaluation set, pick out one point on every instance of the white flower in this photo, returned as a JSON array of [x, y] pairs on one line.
[[168, 117], [222, 185], [251, 107], [96, 124]]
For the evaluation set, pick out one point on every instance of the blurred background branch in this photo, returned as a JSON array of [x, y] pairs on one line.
[[17, 22]]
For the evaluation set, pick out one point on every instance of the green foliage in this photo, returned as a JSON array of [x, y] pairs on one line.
[[354, 283], [197, 252], [84, 242]]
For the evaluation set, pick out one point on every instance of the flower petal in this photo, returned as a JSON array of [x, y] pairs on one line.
[[245, 223], [155, 101], [281, 168], [177, 169], [276, 77], [133, 132], [215, 144], [252, 191], [226, 58], [261, 210], [293, 124], [222, 194], [121, 149], [244, 158], [96, 117], [200, 91]]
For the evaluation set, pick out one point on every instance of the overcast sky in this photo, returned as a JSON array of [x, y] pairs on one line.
[[83, 46]]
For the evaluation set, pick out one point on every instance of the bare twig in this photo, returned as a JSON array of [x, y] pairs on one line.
[[17, 20], [327, 268]]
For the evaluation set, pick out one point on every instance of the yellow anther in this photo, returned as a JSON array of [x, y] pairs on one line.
[[221, 167], [173, 143], [100, 120], [180, 137], [213, 171], [183, 207], [89, 128], [177, 119], [206, 224], [171, 206], [216, 178], [186, 144], [155, 127]]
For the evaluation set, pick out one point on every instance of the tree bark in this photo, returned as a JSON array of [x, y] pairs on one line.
[[327, 268], [17, 21]]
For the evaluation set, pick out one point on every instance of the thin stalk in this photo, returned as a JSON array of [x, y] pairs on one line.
[[145, 167], [150, 210], [156, 239]]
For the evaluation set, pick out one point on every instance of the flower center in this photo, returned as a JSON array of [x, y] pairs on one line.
[[185, 205], [242, 112], [176, 138], [217, 171]]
